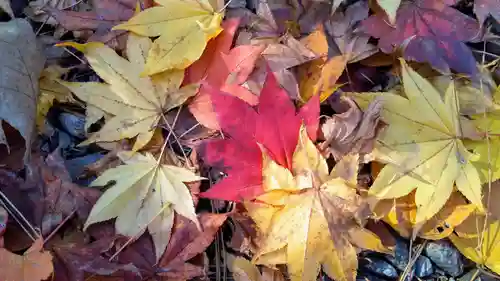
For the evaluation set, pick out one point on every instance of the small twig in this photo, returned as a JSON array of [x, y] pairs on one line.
[[73, 5], [59, 226], [176, 139], [485, 272], [486, 53], [41, 26], [17, 220], [170, 132], [189, 130], [225, 6], [412, 260], [73, 54], [5, 201]]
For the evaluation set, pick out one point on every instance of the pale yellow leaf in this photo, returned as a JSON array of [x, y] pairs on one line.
[[144, 195], [135, 103], [425, 152], [183, 27]]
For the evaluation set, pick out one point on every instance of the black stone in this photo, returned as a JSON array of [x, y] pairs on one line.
[[401, 255], [423, 267], [378, 266], [444, 255]]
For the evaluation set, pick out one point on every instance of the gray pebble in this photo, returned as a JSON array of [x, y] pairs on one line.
[[445, 256]]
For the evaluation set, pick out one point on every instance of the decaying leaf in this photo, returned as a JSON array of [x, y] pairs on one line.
[[136, 103], [338, 44], [5, 5], [145, 195], [34, 265], [428, 31], [484, 8], [106, 14], [353, 130], [345, 40], [309, 219], [186, 243], [34, 9], [21, 65], [425, 153], [240, 156], [78, 259], [272, 27], [184, 28]]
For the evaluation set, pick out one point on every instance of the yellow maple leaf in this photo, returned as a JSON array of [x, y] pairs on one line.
[[423, 146], [318, 77], [144, 195], [478, 237], [136, 103], [184, 27], [244, 270], [308, 218], [402, 212], [50, 89]]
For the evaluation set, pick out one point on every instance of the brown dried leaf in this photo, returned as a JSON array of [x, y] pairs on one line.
[[62, 196], [107, 14], [244, 233], [34, 265], [272, 27], [341, 30], [76, 259], [22, 195], [352, 131], [484, 8], [186, 243]]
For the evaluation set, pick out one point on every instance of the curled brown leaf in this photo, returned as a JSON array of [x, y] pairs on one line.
[[352, 131]]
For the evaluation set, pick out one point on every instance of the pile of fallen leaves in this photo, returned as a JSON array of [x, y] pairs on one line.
[[277, 139]]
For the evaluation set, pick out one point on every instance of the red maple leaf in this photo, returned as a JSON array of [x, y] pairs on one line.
[[223, 68], [430, 31], [274, 124]]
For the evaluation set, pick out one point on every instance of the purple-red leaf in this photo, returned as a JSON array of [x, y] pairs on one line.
[[428, 31], [483, 8]]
